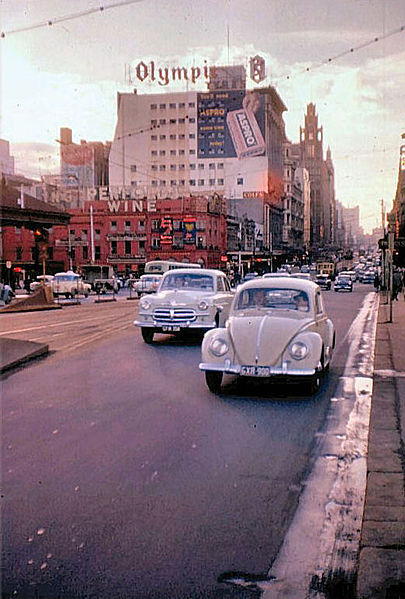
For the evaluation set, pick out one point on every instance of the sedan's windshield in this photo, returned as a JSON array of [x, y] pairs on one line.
[[274, 298], [188, 281], [65, 278]]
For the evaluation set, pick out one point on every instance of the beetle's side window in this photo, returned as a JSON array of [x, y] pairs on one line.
[[220, 284], [318, 303]]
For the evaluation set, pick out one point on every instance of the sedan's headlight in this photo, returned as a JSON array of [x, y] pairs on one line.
[[218, 347], [203, 305], [145, 304], [298, 350]]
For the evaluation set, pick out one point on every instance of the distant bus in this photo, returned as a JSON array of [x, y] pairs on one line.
[[162, 266]]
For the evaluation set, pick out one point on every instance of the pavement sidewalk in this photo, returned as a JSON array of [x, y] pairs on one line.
[[381, 572]]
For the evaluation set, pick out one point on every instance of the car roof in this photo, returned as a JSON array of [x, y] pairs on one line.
[[281, 283], [194, 271]]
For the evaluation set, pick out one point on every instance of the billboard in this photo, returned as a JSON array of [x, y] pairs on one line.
[[189, 229], [230, 124], [77, 165]]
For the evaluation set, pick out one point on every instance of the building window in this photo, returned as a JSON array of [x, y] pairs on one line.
[[133, 183], [18, 253], [154, 153], [182, 182], [50, 253], [155, 242], [220, 181], [114, 247], [192, 136], [162, 106], [239, 180], [162, 152], [181, 152], [153, 106], [192, 152], [182, 105], [191, 119], [201, 166], [113, 225], [141, 225], [172, 136], [200, 182], [220, 165], [153, 122], [191, 104], [192, 166], [212, 181], [127, 225], [162, 121], [172, 167], [182, 136], [142, 245], [172, 105], [97, 252], [128, 247], [18, 230], [172, 121], [181, 121], [182, 167], [173, 182], [133, 168], [153, 137], [163, 137], [85, 253], [162, 183], [97, 233], [162, 167], [154, 182], [211, 165], [83, 235], [192, 182], [172, 152]]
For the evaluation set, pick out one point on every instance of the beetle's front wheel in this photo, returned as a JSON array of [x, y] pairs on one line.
[[314, 383], [147, 334], [213, 378]]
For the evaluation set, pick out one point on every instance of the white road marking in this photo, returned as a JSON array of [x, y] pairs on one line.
[[325, 533]]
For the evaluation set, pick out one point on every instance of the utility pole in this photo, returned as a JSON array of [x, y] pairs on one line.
[[390, 258]]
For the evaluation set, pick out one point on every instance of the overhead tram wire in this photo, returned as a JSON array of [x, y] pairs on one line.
[[63, 19]]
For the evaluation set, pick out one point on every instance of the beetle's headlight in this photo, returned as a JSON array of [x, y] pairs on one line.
[[298, 350], [203, 305], [218, 347], [145, 304]]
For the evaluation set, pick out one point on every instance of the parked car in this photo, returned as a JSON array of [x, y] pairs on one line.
[[368, 277], [70, 284], [277, 328], [187, 298], [146, 284], [323, 281], [38, 282], [343, 282]]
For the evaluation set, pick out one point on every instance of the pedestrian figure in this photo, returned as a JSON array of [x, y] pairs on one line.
[[396, 285], [376, 282]]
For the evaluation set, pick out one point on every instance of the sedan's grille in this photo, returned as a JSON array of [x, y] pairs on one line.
[[173, 315]]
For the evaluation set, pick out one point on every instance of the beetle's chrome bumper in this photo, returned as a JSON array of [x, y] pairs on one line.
[[284, 370]]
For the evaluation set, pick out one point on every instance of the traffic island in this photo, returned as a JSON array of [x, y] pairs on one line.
[[14, 352], [41, 299]]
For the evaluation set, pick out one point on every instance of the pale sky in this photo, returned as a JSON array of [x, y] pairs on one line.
[[68, 74]]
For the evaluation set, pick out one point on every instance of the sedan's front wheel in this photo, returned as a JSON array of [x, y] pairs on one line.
[[213, 378], [147, 334]]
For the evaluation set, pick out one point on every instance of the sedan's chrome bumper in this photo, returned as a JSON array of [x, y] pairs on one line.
[[158, 326], [284, 370]]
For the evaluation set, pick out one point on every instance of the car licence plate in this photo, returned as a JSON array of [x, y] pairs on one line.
[[170, 329], [255, 371]]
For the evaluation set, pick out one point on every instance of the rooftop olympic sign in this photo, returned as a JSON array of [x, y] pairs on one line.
[[164, 75]]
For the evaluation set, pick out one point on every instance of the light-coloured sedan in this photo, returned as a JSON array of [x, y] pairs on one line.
[[187, 298], [146, 284], [277, 328]]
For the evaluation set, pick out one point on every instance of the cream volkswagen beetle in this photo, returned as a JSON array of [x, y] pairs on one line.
[[277, 327], [187, 298]]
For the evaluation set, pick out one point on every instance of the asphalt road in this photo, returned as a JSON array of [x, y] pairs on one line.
[[125, 477]]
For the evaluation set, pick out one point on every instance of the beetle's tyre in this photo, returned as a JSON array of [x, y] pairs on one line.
[[213, 378], [67, 295], [86, 295], [314, 383], [147, 334]]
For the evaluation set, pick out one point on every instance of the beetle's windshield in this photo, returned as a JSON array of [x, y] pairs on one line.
[[188, 281], [274, 298]]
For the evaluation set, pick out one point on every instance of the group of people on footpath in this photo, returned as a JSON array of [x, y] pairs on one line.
[[398, 283], [6, 293]]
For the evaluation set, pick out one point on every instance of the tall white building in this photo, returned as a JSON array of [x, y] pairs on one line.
[[6, 161]]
